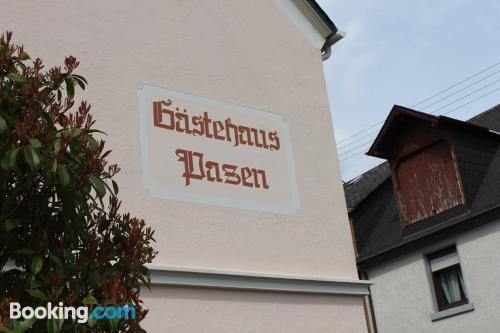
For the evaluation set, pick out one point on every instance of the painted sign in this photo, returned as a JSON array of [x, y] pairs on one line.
[[201, 150]]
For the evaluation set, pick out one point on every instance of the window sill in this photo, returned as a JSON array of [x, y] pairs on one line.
[[452, 312]]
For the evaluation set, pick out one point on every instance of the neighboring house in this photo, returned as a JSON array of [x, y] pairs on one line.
[[427, 223]]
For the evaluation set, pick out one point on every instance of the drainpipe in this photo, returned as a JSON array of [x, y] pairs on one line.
[[326, 50], [364, 276]]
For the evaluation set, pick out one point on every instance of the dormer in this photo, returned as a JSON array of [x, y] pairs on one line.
[[429, 158]]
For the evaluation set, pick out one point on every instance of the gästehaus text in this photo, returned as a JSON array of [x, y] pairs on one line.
[[180, 121]]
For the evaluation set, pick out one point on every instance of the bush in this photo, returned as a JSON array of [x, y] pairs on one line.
[[62, 238]]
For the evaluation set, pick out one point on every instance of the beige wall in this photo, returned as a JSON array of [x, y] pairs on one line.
[[242, 52], [206, 310]]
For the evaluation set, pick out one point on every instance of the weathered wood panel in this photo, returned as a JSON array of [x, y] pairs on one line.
[[428, 183]]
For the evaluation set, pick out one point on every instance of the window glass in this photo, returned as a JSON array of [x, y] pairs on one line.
[[448, 281]]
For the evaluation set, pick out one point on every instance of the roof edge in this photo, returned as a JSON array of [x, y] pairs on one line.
[[322, 23], [313, 22], [317, 16], [441, 230], [396, 111]]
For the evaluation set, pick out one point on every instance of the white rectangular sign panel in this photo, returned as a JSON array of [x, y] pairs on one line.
[[200, 150]]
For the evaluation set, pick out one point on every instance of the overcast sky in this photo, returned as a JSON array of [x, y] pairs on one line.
[[401, 52]]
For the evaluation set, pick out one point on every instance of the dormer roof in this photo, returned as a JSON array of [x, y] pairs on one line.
[[400, 118], [372, 200]]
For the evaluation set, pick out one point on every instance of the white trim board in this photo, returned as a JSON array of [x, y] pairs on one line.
[[198, 278], [304, 22]]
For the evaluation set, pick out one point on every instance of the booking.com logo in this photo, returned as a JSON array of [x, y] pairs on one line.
[[80, 314]]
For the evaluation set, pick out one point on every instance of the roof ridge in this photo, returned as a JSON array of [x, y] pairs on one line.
[[484, 113], [357, 183]]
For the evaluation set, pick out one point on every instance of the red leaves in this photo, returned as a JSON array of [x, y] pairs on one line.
[[4, 311], [54, 176], [70, 64]]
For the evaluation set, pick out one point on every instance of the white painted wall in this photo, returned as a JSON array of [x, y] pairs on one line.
[[241, 52], [402, 294]]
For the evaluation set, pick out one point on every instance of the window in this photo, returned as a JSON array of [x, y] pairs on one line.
[[447, 279]]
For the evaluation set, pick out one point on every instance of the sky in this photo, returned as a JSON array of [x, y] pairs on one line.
[[403, 52]]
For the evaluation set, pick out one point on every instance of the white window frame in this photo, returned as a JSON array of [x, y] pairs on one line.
[[437, 264]]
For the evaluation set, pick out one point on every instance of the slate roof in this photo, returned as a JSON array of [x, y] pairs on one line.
[[372, 206], [357, 189]]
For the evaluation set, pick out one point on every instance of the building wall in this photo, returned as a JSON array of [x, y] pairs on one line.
[[190, 310], [241, 52], [402, 292]]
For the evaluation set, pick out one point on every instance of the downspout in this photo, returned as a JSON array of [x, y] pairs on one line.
[[326, 50], [364, 276]]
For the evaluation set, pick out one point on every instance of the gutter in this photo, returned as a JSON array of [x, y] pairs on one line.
[[323, 24], [326, 50]]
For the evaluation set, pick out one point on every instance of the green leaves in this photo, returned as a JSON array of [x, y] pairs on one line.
[[99, 186], [63, 175], [70, 88], [31, 156], [54, 325], [80, 80], [3, 125], [36, 265], [25, 251], [38, 294], [57, 261], [75, 132], [9, 160], [90, 300], [57, 146], [113, 324], [36, 143], [21, 326], [16, 77], [53, 165], [11, 224], [91, 141], [13, 158], [115, 187], [30, 153]]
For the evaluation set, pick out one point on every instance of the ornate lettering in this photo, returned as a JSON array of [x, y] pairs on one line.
[[194, 167], [203, 125], [187, 157]]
